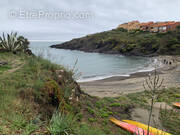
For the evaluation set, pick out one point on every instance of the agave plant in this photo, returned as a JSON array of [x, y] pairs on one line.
[[13, 43]]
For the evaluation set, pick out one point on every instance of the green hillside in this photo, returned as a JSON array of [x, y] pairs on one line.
[[120, 41]]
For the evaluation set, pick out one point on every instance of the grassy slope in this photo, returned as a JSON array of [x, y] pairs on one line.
[[20, 114], [129, 43], [19, 78]]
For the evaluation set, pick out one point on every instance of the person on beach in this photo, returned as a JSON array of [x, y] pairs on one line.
[[164, 61]]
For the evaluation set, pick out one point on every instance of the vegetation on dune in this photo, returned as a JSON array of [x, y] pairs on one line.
[[134, 42]]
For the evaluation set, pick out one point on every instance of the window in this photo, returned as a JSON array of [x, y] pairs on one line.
[[164, 28], [168, 27]]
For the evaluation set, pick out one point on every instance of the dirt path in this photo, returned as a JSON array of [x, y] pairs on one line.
[[17, 64]]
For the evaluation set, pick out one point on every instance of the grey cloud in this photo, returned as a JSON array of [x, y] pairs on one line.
[[108, 15]]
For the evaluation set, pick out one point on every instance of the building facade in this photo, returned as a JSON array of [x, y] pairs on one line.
[[160, 27], [130, 25]]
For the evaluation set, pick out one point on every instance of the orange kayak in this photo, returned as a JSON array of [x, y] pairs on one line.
[[176, 104], [129, 127]]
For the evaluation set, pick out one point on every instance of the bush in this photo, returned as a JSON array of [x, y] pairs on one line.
[[178, 27], [13, 43], [115, 104], [175, 46], [53, 91], [122, 30], [130, 47], [91, 119], [172, 42], [90, 110]]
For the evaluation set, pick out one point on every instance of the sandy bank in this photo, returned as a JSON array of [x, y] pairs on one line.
[[115, 86]]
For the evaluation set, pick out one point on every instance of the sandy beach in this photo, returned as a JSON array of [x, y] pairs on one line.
[[115, 86]]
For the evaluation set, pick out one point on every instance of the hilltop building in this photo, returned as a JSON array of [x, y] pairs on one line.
[[130, 25], [160, 27]]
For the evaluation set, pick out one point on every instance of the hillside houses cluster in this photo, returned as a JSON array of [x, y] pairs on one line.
[[151, 26]]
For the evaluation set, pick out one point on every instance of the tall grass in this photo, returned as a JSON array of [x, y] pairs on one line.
[[62, 124]]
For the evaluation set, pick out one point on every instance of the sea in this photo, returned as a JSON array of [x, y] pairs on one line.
[[92, 66]]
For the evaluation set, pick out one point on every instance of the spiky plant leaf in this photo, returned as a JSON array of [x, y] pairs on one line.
[[13, 43]]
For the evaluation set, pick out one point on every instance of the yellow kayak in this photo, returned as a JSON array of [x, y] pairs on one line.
[[129, 127], [145, 127]]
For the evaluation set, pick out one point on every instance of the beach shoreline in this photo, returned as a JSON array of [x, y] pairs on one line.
[[118, 85]]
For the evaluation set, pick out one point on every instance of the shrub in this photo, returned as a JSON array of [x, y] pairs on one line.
[[13, 43], [90, 110], [115, 105], [91, 119], [172, 42], [130, 47], [98, 104], [104, 114], [122, 30], [178, 27], [53, 92], [109, 99], [175, 46], [132, 31]]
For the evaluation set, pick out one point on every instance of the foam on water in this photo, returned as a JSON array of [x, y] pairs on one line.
[[90, 79]]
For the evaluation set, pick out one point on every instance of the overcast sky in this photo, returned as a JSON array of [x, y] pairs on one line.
[[102, 15]]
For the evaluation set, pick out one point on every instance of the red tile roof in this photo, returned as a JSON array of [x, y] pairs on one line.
[[146, 24], [161, 24]]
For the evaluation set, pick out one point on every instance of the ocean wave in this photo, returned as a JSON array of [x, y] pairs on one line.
[[99, 78]]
